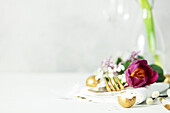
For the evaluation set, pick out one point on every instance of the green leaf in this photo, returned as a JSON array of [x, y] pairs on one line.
[[118, 60], [140, 57], [160, 72], [121, 72], [126, 64]]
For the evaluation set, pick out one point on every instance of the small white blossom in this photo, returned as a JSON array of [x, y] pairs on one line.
[[120, 77], [111, 75], [122, 67], [102, 83], [123, 78], [119, 69], [168, 92], [155, 94], [105, 69], [110, 70], [105, 75], [99, 75], [149, 101], [111, 64], [115, 68]]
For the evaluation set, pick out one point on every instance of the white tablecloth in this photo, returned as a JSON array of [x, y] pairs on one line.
[[45, 93]]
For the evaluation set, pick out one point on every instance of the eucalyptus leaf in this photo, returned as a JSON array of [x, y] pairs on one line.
[[160, 72]]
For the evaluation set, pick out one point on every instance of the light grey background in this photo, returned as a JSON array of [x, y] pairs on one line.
[[69, 35]]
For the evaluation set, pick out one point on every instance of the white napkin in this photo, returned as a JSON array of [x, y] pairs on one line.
[[144, 92], [111, 97]]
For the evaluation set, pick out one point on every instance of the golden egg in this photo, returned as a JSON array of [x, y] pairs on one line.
[[167, 78], [91, 81], [125, 102], [167, 106]]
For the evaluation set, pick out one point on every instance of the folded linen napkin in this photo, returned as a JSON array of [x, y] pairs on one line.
[[145, 92], [110, 97]]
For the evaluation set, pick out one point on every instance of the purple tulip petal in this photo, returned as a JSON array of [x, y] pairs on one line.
[[153, 79], [145, 75], [129, 81], [141, 61], [138, 82], [132, 68]]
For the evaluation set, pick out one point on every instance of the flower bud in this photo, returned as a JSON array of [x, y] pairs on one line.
[[168, 92], [160, 99], [149, 101], [155, 94]]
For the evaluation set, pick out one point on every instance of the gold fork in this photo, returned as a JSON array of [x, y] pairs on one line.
[[115, 87]]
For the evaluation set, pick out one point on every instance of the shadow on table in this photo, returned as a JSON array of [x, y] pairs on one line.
[[142, 105]]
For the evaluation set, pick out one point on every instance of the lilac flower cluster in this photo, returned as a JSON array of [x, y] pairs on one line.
[[134, 55], [109, 66], [110, 69], [108, 62]]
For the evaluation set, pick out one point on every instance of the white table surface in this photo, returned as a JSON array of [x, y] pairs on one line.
[[42, 93]]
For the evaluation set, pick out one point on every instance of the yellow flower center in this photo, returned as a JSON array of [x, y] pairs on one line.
[[139, 72]]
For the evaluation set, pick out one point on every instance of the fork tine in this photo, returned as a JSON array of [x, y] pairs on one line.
[[117, 87], [111, 84], [107, 85], [120, 84]]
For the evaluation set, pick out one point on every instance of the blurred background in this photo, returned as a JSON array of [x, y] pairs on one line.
[[71, 35]]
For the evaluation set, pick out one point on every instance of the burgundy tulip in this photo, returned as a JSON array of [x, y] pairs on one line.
[[140, 74]]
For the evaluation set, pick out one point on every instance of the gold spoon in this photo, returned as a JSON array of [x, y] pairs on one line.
[[125, 102]]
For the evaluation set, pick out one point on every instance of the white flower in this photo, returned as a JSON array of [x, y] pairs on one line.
[[111, 64], [149, 101], [119, 69], [105, 69], [155, 94], [168, 92], [105, 75], [115, 68], [102, 83], [123, 78], [122, 67], [99, 75], [110, 70], [111, 75], [120, 77]]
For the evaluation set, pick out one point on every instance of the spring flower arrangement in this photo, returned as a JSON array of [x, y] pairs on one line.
[[116, 75], [135, 72]]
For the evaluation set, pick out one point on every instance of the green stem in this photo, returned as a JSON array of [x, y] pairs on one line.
[[149, 25], [157, 60]]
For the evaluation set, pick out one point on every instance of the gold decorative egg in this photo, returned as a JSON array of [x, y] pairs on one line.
[[167, 78], [125, 102], [167, 106], [91, 81]]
